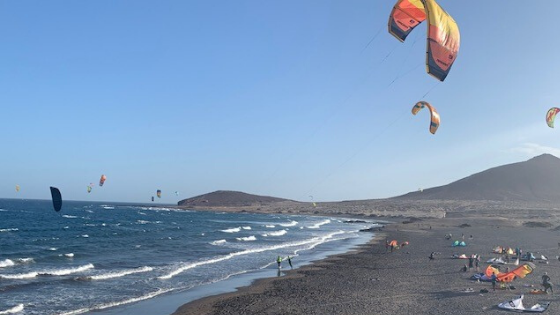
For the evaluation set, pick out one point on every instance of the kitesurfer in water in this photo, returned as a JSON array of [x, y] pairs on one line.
[[279, 261]]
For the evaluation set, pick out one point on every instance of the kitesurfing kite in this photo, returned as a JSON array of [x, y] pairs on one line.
[[90, 187], [56, 198], [152, 198], [434, 123], [176, 193], [158, 193], [551, 115], [17, 188], [516, 305], [102, 180], [519, 272], [443, 33]]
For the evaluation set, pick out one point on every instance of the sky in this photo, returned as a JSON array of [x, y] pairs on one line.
[[293, 99]]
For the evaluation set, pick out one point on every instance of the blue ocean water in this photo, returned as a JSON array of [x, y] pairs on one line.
[[99, 256]]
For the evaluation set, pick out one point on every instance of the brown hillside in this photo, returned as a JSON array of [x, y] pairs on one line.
[[535, 180], [224, 198]]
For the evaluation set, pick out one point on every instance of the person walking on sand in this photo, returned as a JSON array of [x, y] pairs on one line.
[[279, 261], [290, 262], [432, 256], [494, 278], [546, 283]]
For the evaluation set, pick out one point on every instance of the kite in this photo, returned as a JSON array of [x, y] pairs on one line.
[[519, 272], [56, 198], [551, 115], [152, 198], [516, 305], [434, 123], [17, 188], [102, 180], [158, 193], [443, 33]]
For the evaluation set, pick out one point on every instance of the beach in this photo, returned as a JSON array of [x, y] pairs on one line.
[[372, 280]]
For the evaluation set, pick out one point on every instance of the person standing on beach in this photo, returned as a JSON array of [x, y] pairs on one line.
[[494, 278], [546, 283], [476, 261], [290, 262], [279, 261], [471, 262]]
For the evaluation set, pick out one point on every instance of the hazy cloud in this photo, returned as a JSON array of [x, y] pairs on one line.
[[534, 149]]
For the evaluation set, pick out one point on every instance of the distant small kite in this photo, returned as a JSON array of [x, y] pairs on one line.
[[102, 180]]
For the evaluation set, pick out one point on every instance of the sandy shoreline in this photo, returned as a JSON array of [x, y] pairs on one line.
[[371, 281]]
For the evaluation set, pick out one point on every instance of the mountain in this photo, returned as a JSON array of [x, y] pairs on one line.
[[225, 198], [535, 180]]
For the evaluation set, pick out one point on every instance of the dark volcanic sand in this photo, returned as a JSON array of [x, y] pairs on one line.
[[370, 281]]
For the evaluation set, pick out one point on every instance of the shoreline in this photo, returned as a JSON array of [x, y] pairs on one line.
[[368, 280], [171, 301]]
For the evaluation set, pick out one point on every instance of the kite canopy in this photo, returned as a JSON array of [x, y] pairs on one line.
[[434, 122], [517, 306], [551, 115], [102, 180], [17, 188], [56, 199], [394, 243], [158, 193], [443, 33]]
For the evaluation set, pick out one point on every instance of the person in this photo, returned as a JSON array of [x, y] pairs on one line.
[[392, 247], [471, 262], [290, 262], [279, 261], [494, 278], [546, 283], [476, 261], [386, 245], [431, 256], [464, 269]]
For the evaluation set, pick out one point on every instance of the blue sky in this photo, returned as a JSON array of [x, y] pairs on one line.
[[280, 98]]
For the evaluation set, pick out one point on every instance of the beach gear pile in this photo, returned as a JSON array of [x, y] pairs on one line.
[[516, 305]]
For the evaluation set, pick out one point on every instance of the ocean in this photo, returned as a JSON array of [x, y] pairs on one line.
[[106, 257]]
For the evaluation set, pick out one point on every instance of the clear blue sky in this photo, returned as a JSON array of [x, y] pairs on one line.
[[279, 98]]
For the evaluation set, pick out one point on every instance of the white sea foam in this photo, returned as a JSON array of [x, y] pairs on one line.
[[318, 225], [53, 248], [56, 272], [247, 239], [6, 263], [270, 226], [25, 260], [69, 255], [119, 274], [142, 222], [232, 230], [276, 233], [69, 216], [108, 207], [113, 304], [28, 275], [311, 243], [9, 230], [89, 211], [292, 223], [218, 242], [16, 309], [65, 272], [246, 227]]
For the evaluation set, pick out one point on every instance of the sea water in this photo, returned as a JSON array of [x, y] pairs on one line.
[[106, 256]]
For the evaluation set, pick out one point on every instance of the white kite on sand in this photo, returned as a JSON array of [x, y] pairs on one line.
[[516, 305]]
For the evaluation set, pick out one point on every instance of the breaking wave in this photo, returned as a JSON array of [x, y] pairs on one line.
[[119, 274], [247, 239], [6, 263], [16, 309], [232, 230], [318, 225], [292, 223], [312, 242], [218, 242], [276, 233]]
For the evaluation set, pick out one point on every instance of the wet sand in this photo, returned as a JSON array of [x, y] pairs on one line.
[[373, 281]]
